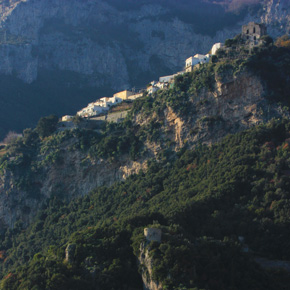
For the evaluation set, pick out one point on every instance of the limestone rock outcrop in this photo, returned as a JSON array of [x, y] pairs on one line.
[[146, 261], [70, 253]]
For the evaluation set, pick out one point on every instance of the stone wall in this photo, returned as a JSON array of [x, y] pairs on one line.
[[112, 117]]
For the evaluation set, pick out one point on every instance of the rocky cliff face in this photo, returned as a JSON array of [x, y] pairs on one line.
[[276, 16], [146, 263], [235, 104], [76, 175]]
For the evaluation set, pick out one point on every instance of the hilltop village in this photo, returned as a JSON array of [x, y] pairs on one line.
[[251, 33], [103, 105]]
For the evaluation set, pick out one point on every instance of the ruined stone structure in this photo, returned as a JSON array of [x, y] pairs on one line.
[[252, 31], [146, 261], [152, 234]]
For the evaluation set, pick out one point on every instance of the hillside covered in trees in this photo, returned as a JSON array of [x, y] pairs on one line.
[[203, 201], [217, 186]]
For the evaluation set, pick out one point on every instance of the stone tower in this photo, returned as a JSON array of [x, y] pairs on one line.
[[152, 234], [252, 31]]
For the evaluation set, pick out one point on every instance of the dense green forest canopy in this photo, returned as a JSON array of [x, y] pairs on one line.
[[212, 195]]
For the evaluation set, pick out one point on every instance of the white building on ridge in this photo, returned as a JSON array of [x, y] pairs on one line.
[[166, 79], [92, 110], [67, 118], [152, 89], [216, 47], [194, 60]]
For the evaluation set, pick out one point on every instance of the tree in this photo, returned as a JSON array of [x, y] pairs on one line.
[[30, 137], [229, 42], [46, 126]]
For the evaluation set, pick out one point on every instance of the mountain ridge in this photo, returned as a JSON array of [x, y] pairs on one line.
[[92, 55]]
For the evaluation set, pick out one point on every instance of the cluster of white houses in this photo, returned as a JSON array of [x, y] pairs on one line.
[[103, 105], [251, 32]]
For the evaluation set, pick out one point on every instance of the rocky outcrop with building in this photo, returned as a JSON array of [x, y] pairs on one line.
[[146, 261]]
